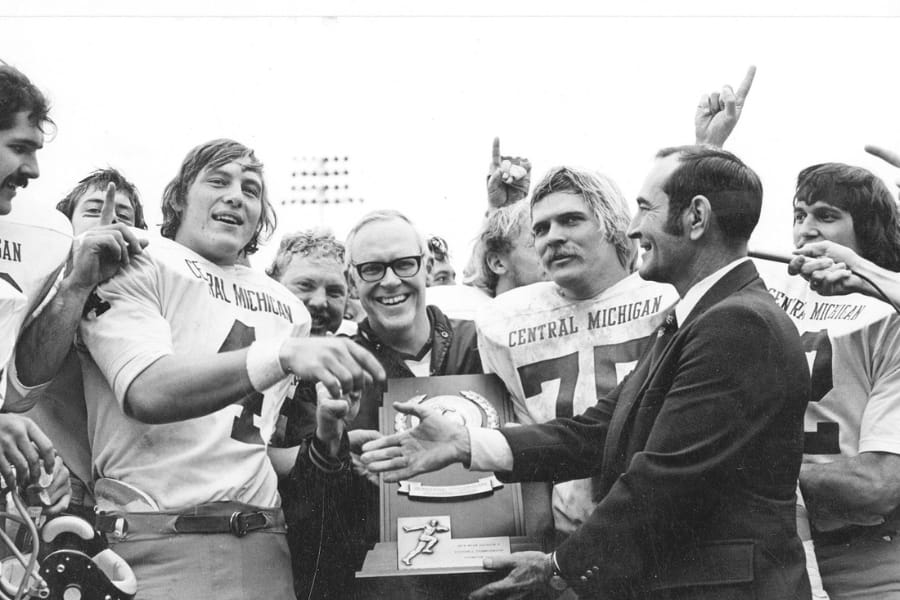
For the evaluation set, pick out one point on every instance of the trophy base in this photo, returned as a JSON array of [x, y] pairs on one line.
[[381, 561]]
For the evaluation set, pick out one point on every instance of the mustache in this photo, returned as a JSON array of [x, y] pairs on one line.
[[17, 179], [318, 314], [559, 253]]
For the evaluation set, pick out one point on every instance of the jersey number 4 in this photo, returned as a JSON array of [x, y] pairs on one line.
[[243, 429], [565, 369]]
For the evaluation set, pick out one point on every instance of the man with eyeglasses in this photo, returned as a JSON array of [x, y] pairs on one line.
[[387, 260]]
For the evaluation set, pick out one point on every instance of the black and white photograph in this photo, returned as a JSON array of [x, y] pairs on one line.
[[653, 250]]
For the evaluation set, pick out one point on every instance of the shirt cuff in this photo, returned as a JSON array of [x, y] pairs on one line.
[[23, 396], [322, 459], [489, 450]]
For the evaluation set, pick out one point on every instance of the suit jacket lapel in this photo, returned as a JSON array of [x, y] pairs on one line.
[[634, 389]]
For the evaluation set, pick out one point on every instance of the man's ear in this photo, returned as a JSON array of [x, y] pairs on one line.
[[698, 217], [496, 263], [352, 290]]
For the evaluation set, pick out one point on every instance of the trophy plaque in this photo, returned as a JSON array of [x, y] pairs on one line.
[[447, 521]]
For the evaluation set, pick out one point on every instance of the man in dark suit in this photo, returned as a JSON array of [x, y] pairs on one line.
[[698, 451]]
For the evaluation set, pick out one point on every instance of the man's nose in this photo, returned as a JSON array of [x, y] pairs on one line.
[[317, 298]]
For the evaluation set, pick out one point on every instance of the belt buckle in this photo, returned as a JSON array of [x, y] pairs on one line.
[[240, 523]]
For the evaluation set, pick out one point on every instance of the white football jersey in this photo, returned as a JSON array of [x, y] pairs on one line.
[[853, 348], [34, 244], [557, 356], [171, 301]]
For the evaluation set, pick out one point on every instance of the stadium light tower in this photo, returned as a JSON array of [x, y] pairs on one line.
[[324, 182]]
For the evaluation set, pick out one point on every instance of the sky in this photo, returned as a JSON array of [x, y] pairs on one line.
[[414, 98]]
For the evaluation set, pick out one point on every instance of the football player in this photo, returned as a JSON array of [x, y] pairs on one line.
[[191, 358], [102, 207], [33, 246], [851, 472], [557, 345]]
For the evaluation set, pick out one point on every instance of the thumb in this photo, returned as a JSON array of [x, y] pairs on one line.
[[411, 407], [108, 212], [497, 563]]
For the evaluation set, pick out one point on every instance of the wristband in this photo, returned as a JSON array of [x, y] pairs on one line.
[[264, 365]]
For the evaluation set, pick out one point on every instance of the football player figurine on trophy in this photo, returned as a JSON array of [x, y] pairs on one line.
[[426, 539]]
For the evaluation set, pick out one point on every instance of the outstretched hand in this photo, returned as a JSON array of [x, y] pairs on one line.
[[530, 571], [437, 441], [509, 178], [719, 112]]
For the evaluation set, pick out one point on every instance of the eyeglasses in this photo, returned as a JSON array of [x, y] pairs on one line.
[[405, 266]]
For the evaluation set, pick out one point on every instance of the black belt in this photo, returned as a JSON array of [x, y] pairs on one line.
[[236, 522], [854, 533]]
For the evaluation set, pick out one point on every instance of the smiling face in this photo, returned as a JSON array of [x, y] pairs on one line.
[[88, 207], [221, 212], [572, 245], [822, 221], [320, 284], [395, 306], [18, 157], [664, 257]]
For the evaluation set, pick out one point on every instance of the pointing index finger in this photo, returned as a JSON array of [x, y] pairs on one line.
[[495, 154], [108, 213], [744, 88]]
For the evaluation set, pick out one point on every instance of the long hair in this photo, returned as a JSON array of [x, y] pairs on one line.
[[866, 198], [213, 155], [603, 197]]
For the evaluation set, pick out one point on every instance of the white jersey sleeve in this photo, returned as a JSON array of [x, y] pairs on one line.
[[557, 356], [125, 328], [34, 245], [170, 301]]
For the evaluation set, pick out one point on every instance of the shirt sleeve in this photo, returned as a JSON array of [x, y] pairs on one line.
[[881, 418], [489, 450], [124, 328]]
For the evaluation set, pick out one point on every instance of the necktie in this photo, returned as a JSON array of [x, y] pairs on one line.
[[663, 335]]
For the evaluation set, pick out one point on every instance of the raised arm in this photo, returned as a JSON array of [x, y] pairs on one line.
[[509, 178], [719, 112], [97, 255]]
